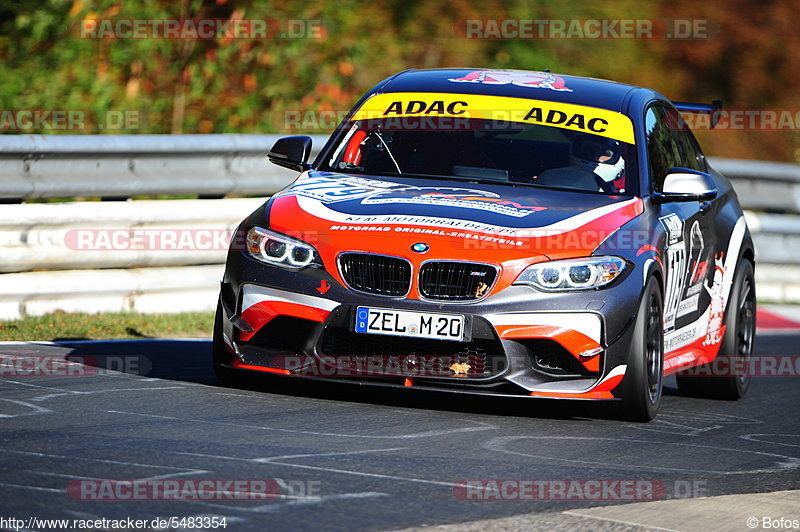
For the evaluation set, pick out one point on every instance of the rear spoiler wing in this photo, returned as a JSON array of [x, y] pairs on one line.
[[714, 109]]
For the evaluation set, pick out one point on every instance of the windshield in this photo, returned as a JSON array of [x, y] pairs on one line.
[[481, 150]]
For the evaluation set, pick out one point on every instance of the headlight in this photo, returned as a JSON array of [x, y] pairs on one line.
[[572, 274], [275, 248]]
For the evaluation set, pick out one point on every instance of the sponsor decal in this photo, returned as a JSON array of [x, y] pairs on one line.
[[460, 368], [452, 197], [417, 107], [335, 198], [680, 360], [694, 290], [574, 117], [697, 247], [688, 305], [674, 226], [676, 266], [506, 243], [481, 290], [709, 325], [332, 190], [696, 267], [680, 338], [533, 80], [413, 220], [715, 289]]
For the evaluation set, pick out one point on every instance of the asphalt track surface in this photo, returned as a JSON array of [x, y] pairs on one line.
[[366, 458]]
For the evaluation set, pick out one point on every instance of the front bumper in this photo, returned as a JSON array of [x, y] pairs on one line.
[[567, 345]]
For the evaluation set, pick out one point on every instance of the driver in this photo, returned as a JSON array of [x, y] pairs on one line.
[[601, 156]]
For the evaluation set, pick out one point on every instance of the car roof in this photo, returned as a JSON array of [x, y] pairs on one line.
[[592, 92]]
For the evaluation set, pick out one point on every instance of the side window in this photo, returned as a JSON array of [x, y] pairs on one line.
[[662, 148], [690, 154], [694, 155]]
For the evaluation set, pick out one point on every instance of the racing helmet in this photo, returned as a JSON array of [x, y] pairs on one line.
[[599, 155]]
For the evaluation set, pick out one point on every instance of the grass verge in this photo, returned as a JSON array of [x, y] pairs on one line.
[[68, 326]]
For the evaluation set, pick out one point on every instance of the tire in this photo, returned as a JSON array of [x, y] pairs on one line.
[[220, 354], [642, 386], [736, 349]]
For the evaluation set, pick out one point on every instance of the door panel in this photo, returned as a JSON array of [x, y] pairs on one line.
[[690, 243]]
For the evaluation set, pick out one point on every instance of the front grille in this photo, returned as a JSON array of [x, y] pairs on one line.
[[375, 354], [456, 281], [376, 274]]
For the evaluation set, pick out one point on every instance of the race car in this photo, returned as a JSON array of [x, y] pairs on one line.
[[498, 232]]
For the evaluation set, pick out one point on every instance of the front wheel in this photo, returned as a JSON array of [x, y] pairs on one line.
[[642, 385]]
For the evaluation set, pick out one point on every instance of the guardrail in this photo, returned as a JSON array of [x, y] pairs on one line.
[[144, 256], [57, 166], [763, 185], [36, 236], [770, 193], [53, 166]]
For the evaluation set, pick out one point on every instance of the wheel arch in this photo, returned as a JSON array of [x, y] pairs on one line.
[[654, 270], [749, 254]]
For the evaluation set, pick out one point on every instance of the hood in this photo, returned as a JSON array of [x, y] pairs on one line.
[[511, 226]]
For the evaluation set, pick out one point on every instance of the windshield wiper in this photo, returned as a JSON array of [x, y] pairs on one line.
[[389, 151]]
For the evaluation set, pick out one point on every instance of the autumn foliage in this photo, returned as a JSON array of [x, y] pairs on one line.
[[248, 85]]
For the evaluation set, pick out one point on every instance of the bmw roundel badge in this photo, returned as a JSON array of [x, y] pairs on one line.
[[420, 247]]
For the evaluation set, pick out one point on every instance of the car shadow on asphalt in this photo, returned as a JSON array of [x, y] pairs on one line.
[[190, 361]]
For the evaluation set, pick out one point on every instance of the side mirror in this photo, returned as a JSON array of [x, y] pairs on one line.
[[291, 152], [683, 184]]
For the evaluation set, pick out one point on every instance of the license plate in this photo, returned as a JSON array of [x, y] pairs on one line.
[[406, 323]]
